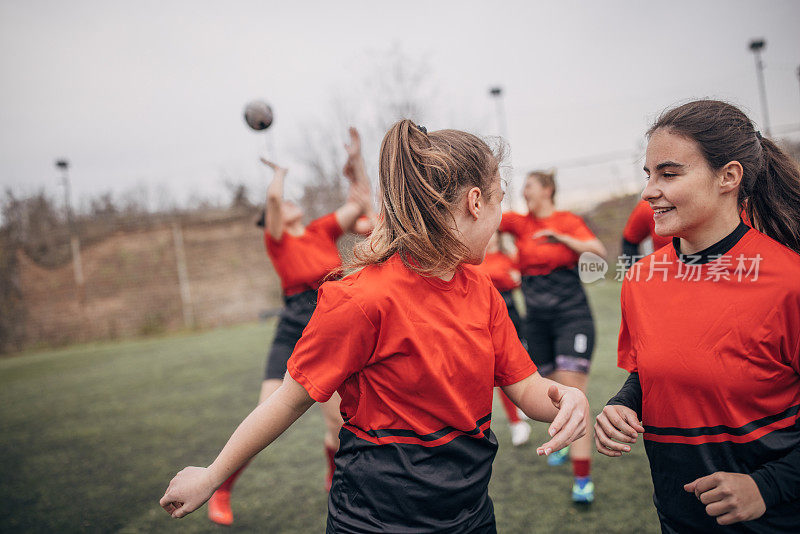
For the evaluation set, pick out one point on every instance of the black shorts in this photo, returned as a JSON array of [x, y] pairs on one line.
[[293, 319], [513, 313], [560, 343]]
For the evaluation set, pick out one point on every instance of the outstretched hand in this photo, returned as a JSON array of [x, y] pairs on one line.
[[274, 166], [187, 491], [571, 421], [353, 148], [730, 497], [616, 426]]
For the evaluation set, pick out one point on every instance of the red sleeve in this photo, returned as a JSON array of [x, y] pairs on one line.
[[637, 228], [336, 344], [579, 230], [511, 360], [327, 225], [510, 223], [626, 355]]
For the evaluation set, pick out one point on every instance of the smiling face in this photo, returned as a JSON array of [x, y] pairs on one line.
[[682, 187], [536, 195]]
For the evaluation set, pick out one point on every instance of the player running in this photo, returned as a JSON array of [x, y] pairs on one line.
[[303, 257], [711, 329], [558, 322], [414, 342]]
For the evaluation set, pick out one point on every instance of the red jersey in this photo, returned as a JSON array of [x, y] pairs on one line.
[[641, 224], [540, 256], [717, 348], [415, 360], [302, 262], [498, 267]]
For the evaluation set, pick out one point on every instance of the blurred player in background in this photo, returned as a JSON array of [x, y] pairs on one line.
[[303, 257], [558, 321], [502, 270], [415, 340], [639, 227], [711, 329]]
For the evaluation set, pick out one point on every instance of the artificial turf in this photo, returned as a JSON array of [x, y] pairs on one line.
[[90, 436]]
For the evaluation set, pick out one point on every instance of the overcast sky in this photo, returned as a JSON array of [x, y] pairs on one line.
[[150, 94]]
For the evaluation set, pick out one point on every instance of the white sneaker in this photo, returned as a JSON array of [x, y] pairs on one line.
[[520, 433]]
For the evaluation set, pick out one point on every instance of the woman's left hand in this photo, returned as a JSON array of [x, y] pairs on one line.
[[571, 421], [730, 497]]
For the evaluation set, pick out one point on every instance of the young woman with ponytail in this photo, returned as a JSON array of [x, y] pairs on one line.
[[711, 329], [414, 340], [303, 256]]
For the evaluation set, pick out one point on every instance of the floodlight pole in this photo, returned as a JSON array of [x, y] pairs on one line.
[[798, 75], [74, 241], [756, 45], [496, 93]]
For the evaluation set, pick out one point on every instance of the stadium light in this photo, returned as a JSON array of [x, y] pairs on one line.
[[756, 46], [496, 93]]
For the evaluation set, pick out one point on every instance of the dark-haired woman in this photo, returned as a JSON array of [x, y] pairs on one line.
[[303, 257], [711, 329], [414, 342], [558, 322]]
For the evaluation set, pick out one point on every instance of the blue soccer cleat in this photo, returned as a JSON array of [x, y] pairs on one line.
[[583, 490], [559, 457]]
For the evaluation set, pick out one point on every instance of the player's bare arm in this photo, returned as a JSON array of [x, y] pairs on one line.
[[566, 409], [193, 486], [274, 202]]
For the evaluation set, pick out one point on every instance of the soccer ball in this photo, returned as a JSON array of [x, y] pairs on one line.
[[258, 115]]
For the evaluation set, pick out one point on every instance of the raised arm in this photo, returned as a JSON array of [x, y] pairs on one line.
[[360, 195], [193, 486], [274, 202], [545, 400]]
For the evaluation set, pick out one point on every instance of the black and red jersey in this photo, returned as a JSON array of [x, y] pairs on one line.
[[715, 340], [415, 360], [539, 255], [302, 262], [550, 282]]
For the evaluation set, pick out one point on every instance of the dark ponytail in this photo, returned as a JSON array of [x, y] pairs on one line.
[[770, 189], [422, 176], [773, 204]]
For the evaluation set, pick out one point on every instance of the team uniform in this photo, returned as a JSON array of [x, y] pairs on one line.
[[639, 227], [302, 263], [498, 267], [415, 360], [559, 325], [712, 342]]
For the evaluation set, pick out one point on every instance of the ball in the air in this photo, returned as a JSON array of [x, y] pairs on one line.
[[258, 115]]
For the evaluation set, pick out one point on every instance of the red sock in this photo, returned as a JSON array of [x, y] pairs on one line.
[[581, 467], [510, 408], [228, 484], [330, 453]]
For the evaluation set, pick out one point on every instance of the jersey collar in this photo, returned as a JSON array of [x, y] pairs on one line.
[[717, 249]]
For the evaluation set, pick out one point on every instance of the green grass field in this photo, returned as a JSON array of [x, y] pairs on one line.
[[91, 435]]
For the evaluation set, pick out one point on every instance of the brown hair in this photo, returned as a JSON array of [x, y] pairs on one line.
[[770, 189], [422, 176], [546, 179]]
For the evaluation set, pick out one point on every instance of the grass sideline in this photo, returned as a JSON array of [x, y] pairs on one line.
[[90, 436]]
